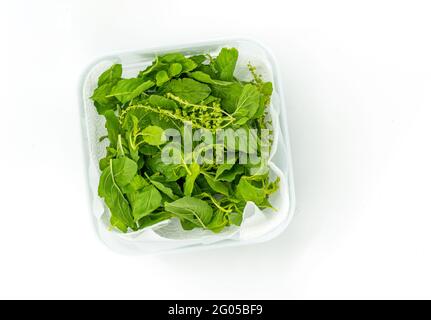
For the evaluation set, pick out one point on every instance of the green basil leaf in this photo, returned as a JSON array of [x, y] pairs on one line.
[[153, 218], [113, 126], [119, 173], [135, 113], [235, 218], [248, 192], [206, 78], [219, 221], [159, 101], [248, 102], [223, 167], [164, 189], [199, 59], [123, 170], [188, 65], [172, 172], [265, 97], [137, 183], [101, 100], [145, 201], [190, 178], [127, 89], [112, 75], [217, 186], [225, 63], [188, 89], [154, 67], [191, 209], [117, 223], [161, 77], [230, 175], [229, 95], [154, 135], [175, 69], [172, 57]]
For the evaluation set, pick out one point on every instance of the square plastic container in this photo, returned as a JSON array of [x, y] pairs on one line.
[[258, 225]]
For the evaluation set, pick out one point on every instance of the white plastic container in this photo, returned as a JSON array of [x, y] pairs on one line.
[[257, 225]]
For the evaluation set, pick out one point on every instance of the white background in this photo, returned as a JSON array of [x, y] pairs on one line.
[[357, 79]]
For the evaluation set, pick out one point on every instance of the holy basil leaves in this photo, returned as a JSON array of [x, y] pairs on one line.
[[176, 91]]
